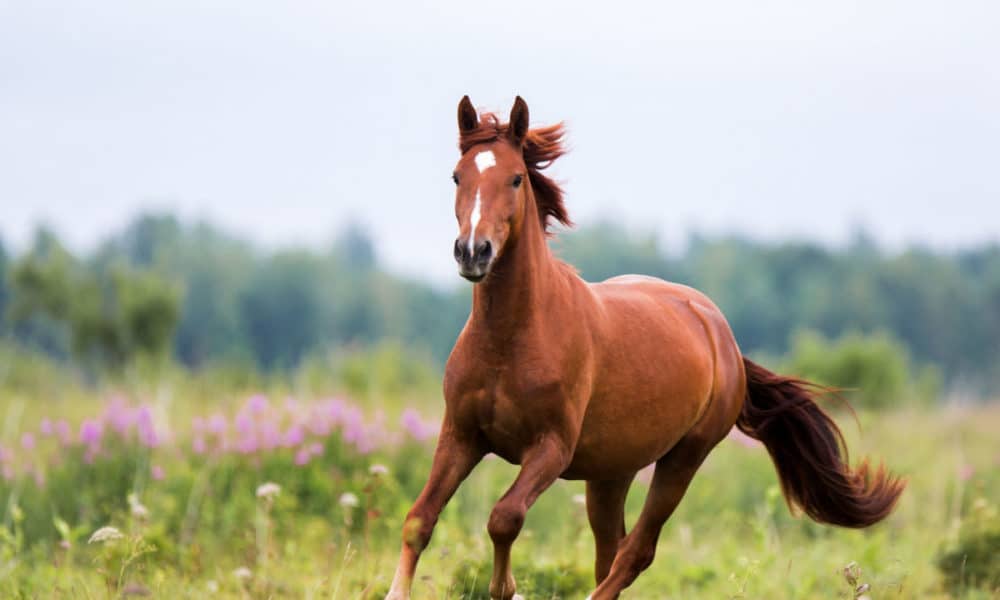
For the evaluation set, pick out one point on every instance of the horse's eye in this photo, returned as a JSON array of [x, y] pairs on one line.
[[517, 180], [454, 177]]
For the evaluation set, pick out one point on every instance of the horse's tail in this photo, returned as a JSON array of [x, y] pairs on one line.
[[810, 455]]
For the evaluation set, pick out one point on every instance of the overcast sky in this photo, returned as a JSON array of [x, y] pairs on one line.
[[283, 121]]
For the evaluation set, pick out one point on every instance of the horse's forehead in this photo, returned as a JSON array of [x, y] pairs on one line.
[[484, 158]]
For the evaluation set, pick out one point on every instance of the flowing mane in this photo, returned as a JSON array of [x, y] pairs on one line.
[[542, 146]]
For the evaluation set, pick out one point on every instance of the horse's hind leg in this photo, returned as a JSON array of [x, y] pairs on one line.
[[606, 513], [540, 466], [670, 480]]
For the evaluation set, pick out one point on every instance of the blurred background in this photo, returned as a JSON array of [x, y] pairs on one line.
[[225, 251]]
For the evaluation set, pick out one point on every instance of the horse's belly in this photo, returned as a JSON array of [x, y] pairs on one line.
[[641, 413], [620, 440]]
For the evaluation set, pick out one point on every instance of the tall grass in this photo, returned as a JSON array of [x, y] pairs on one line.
[[291, 493]]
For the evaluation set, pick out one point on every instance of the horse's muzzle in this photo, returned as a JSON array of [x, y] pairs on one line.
[[473, 263]]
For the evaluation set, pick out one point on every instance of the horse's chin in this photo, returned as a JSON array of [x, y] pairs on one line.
[[474, 277]]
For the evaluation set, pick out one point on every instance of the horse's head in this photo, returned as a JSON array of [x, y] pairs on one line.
[[491, 180]]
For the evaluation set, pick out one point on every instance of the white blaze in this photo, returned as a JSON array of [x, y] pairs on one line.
[[473, 222], [484, 160]]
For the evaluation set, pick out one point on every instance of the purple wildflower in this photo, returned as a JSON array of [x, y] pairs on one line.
[[91, 432], [28, 441], [156, 471], [293, 436], [334, 408], [316, 449], [218, 424], [414, 424], [243, 423], [119, 415], [247, 444], [270, 436], [45, 427], [353, 425], [145, 428], [63, 431], [256, 403]]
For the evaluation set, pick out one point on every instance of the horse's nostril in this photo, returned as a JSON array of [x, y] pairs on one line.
[[483, 253], [458, 249]]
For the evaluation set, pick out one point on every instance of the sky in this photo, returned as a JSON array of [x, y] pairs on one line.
[[283, 122]]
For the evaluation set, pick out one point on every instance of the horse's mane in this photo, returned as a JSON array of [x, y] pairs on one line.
[[542, 145]]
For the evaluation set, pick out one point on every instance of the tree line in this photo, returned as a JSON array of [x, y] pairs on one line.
[[168, 289]]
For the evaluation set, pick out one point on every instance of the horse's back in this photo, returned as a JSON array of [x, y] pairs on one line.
[[631, 285], [627, 294]]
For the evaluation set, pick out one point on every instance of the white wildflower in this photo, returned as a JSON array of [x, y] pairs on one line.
[[242, 573], [268, 490], [105, 534], [348, 500], [138, 510], [213, 586], [378, 470], [580, 499]]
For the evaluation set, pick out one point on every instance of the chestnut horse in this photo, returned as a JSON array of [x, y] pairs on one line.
[[596, 381]]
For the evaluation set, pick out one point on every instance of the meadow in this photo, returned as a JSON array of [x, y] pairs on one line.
[[200, 489]]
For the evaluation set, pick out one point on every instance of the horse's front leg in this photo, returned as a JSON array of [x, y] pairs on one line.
[[540, 466], [455, 456]]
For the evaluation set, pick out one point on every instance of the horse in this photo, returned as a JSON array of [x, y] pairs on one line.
[[596, 381]]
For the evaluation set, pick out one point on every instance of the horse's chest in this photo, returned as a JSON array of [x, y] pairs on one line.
[[501, 410]]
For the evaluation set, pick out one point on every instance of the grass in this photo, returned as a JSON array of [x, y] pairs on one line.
[[193, 525]]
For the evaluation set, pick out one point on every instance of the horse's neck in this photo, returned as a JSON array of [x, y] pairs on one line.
[[520, 286]]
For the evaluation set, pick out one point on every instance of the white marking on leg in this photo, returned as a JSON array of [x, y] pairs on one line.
[[485, 160], [400, 588], [474, 221]]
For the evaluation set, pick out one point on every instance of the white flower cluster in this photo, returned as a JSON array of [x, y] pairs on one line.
[[268, 491], [105, 534]]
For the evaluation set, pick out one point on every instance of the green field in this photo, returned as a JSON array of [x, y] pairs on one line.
[[176, 470]]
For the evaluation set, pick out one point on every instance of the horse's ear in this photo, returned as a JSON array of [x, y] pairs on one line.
[[467, 117], [518, 124]]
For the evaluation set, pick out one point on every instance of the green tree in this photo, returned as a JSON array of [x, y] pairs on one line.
[[873, 371], [606, 249], [284, 308], [112, 315]]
